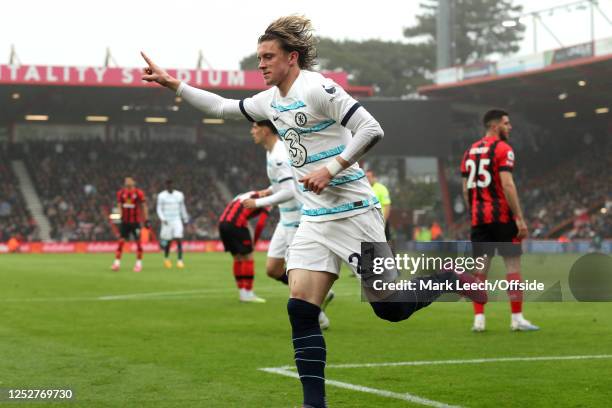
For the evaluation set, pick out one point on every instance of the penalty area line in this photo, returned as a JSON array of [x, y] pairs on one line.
[[415, 399]]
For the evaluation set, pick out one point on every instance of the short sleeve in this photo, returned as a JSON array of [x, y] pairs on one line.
[[119, 196], [283, 171], [334, 102], [504, 157], [141, 196], [254, 108]]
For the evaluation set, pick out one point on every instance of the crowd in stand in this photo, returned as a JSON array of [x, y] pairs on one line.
[[77, 180], [15, 220], [564, 193]]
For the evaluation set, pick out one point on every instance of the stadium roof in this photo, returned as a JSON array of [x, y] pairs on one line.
[[71, 94], [570, 82]]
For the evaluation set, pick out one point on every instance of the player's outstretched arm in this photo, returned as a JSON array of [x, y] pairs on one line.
[[205, 101]]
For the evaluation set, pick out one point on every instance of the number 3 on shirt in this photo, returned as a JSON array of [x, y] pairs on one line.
[[297, 152], [482, 172]]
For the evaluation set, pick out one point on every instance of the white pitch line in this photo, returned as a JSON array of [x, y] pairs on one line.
[[353, 387], [287, 371], [472, 361], [153, 294], [178, 295]]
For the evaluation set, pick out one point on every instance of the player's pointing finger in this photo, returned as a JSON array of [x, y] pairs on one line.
[[147, 59]]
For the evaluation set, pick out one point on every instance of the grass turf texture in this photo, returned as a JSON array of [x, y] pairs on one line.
[[200, 347]]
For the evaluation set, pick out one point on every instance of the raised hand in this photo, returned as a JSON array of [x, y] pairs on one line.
[[154, 73]]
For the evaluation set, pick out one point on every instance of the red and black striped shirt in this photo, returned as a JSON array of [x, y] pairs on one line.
[[130, 202], [481, 165], [236, 214]]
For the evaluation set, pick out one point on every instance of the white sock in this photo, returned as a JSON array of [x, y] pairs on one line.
[[479, 317], [517, 317], [243, 292], [117, 262], [138, 262]]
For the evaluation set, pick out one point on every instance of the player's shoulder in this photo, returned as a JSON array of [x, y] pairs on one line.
[[264, 97], [318, 87], [504, 145]]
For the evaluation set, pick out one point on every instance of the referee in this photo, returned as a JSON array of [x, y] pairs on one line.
[[382, 194]]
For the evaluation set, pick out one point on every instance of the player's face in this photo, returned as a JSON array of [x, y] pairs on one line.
[[504, 128], [257, 132], [129, 183], [274, 62], [370, 176]]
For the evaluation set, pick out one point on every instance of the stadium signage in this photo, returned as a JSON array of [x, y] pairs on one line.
[[130, 77], [572, 53], [111, 246]]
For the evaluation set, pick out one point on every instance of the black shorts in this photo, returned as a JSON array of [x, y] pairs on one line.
[[236, 240], [130, 228], [500, 237]]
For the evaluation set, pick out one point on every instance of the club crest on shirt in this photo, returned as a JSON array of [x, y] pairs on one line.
[[300, 119]]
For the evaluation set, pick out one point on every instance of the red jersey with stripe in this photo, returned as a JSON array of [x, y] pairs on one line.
[[237, 215], [481, 165], [129, 201]]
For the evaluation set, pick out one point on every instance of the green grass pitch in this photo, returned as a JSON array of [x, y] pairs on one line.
[[180, 338]]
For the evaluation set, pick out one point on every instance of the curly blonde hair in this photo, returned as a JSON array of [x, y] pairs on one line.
[[294, 33]]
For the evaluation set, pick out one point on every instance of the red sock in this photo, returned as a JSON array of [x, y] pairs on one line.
[[238, 274], [139, 250], [119, 250], [479, 307], [516, 296], [248, 272]]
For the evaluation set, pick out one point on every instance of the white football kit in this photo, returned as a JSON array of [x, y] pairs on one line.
[[172, 213], [284, 194], [316, 120]]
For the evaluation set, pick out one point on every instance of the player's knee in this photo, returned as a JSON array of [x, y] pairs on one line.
[[302, 314], [392, 311]]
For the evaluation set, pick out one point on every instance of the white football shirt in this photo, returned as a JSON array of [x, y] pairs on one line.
[[171, 206], [310, 120], [279, 171]]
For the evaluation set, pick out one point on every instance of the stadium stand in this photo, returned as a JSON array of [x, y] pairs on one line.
[[15, 220], [77, 180]]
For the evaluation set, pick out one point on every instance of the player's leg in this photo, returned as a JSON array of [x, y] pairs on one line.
[[177, 234], [511, 251], [483, 238], [275, 269], [277, 251], [135, 230], [513, 274], [308, 289], [312, 269], [124, 234], [345, 239], [165, 237]]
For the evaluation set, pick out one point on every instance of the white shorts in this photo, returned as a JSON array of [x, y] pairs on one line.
[[171, 230], [322, 246], [282, 238]]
